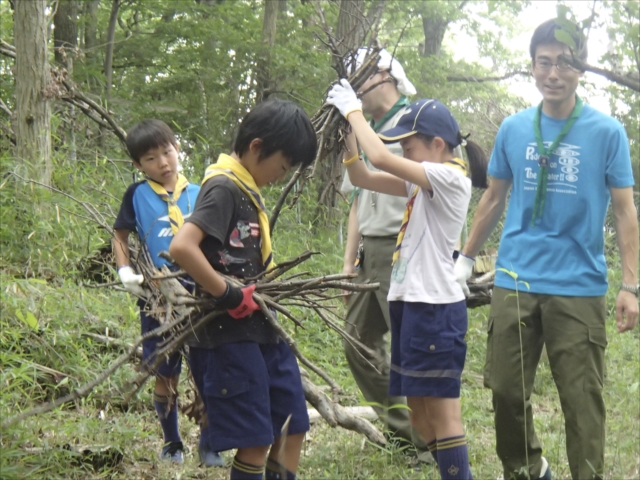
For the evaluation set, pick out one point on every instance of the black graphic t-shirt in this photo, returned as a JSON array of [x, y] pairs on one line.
[[232, 246]]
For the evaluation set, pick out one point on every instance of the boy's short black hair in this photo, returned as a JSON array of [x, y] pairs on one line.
[[282, 126], [545, 34], [148, 134]]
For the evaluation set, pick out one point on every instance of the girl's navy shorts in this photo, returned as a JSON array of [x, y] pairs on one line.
[[427, 349], [249, 390], [172, 365]]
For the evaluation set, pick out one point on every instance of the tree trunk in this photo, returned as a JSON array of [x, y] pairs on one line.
[[91, 29], [65, 41], [434, 30], [32, 119], [65, 33], [351, 24], [269, 25], [108, 58]]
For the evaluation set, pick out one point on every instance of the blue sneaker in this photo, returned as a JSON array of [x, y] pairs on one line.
[[545, 471], [173, 452], [210, 459]]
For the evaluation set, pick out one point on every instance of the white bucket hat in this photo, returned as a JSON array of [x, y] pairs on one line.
[[387, 62]]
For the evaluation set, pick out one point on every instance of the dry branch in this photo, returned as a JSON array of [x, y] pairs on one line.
[[481, 289], [94, 213], [78, 393], [472, 79], [167, 296], [63, 88], [329, 125], [337, 415]]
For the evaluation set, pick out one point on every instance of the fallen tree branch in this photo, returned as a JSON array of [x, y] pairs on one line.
[[103, 339], [275, 213], [337, 415], [7, 49], [85, 389], [294, 348], [77, 394]]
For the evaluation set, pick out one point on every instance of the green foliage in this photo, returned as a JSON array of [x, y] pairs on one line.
[[48, 234], [194, 65], [623, 28]]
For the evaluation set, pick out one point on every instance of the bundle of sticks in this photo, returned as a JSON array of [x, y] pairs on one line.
[[330, 126], [183, 315]]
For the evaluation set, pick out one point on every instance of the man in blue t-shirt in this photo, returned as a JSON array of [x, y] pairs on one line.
[[563, 161]]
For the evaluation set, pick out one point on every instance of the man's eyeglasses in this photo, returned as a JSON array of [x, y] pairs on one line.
[[546, 66]]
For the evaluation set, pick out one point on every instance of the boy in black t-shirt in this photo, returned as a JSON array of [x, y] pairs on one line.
[[247, 375]]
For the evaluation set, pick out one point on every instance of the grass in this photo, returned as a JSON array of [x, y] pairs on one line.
[[121, 444]]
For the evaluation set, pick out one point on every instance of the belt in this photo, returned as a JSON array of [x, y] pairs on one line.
[[383, 237]]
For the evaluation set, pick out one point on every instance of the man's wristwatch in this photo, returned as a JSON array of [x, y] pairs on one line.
[[630, 288]]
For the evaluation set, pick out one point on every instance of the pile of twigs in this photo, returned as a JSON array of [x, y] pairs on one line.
[[180, 314], [183, 315]]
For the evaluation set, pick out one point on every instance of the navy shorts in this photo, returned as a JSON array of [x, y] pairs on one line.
[[172, 365], [427, 349], [249, 390]]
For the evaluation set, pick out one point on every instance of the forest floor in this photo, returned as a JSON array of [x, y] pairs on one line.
[[44, 325]]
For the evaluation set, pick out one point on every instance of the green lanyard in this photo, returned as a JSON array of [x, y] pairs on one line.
[[401, 103], [543, 160]]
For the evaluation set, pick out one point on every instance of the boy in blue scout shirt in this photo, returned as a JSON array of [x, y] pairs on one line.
[[155, 208], [247, 375]]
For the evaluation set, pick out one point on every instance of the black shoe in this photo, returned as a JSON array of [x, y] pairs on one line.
[[173, 452]]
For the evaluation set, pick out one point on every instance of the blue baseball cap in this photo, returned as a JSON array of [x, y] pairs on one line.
[[428, 117]]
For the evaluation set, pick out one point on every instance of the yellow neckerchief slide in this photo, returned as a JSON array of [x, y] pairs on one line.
[[456, 163], [239, 175], [175, 214]]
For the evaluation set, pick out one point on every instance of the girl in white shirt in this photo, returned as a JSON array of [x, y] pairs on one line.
[[427, 305]]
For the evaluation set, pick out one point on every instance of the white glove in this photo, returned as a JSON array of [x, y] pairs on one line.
[[462, 271], [344, 98], [131, 280]]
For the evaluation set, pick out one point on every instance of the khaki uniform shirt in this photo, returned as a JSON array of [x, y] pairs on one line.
[[379, 215]]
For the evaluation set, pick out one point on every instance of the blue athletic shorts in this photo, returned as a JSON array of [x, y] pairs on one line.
[[172, 365], [427, 349], [249, 390]]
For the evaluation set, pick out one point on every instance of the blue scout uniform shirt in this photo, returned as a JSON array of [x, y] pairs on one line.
[[143, 211], [563, 253]]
